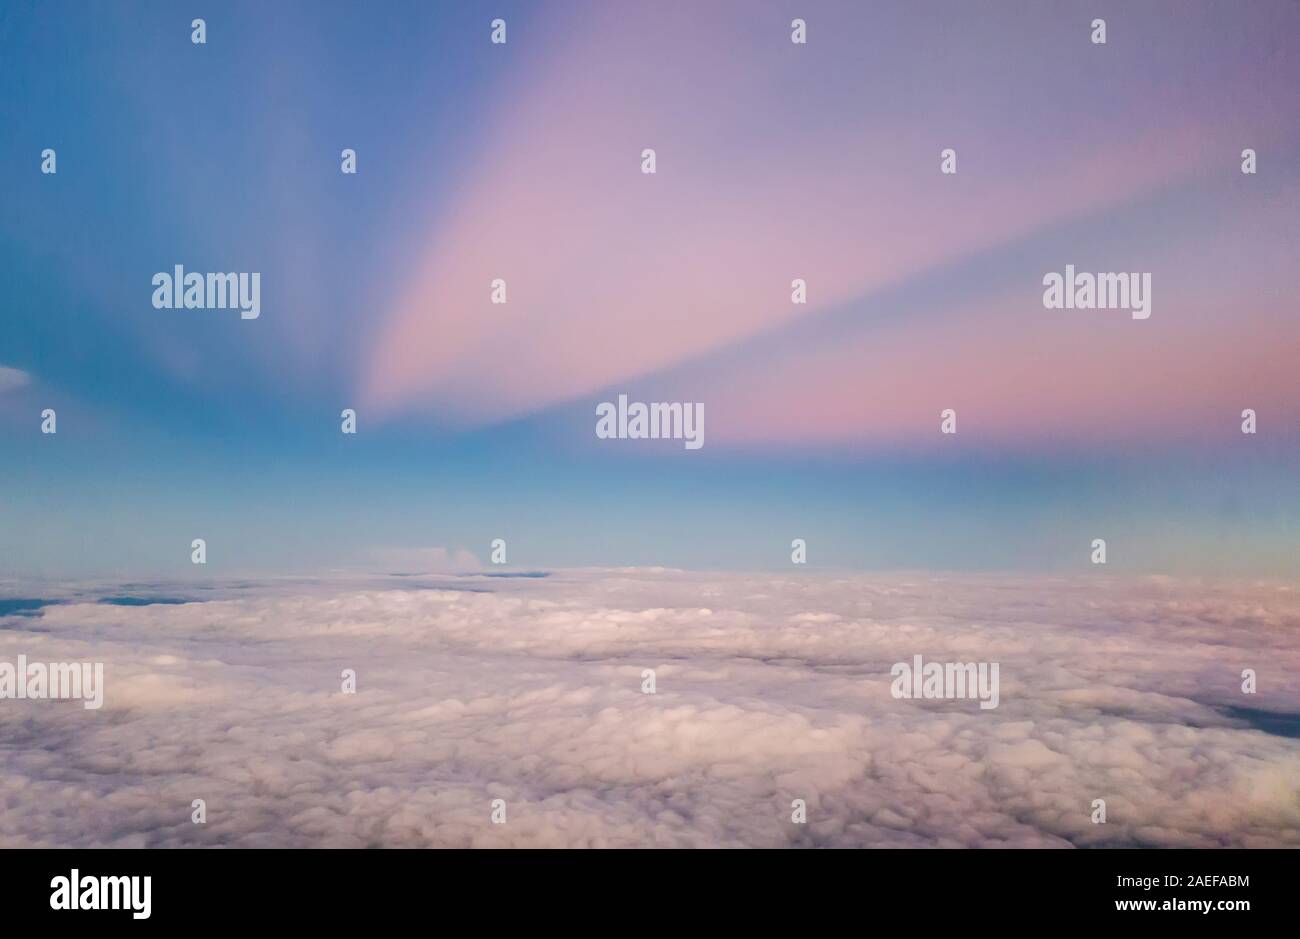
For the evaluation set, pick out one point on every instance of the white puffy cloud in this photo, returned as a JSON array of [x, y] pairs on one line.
[[770, 688], [11, 378]]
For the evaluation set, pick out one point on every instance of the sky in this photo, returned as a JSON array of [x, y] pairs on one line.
[[523, 161]]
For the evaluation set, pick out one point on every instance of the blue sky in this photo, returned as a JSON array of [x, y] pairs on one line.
[[477, 423]]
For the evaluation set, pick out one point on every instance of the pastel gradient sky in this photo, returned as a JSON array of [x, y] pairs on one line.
[[775, 161]]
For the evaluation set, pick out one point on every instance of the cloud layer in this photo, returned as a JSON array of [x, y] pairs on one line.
[[769, 689]]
